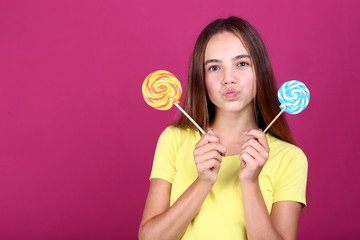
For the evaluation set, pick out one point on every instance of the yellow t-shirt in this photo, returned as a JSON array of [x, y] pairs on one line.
[[221, 216]]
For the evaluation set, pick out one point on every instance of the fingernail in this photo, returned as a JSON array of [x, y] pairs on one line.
[[245, 133]]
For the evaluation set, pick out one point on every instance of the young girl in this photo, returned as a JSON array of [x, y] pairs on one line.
[[234, 182]]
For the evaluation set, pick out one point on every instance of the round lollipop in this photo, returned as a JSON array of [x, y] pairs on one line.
[[294, 97], [161, 90]]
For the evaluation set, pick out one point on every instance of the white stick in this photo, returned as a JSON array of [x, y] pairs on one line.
[[275, 119], [192, 120]]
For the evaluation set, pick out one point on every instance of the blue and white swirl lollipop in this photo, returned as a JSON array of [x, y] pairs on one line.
[[294, 97]]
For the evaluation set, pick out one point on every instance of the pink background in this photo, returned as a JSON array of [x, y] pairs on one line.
[[77, 139]]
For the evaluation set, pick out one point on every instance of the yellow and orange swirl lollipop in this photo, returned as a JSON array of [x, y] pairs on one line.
[[161, 90]]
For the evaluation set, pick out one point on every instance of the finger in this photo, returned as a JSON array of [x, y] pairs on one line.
[[242, 162], [255, 155], [260, 136], [209, 147], [205, 166], [257, 146], [207, 156], [254, 143], [206, 138], [248, 159]]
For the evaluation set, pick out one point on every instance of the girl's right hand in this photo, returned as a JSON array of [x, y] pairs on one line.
[[207, 155]]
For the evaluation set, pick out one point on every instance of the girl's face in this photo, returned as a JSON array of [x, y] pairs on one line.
[[229, 76]]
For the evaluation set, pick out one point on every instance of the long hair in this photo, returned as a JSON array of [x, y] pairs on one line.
[[198, 105]]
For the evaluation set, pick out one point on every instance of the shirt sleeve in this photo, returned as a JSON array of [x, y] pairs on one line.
[[291, 185], [164, 159]]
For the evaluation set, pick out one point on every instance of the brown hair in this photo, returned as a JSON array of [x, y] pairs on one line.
[[198, 105]]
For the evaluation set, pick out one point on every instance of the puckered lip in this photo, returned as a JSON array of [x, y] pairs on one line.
[[231, 92]]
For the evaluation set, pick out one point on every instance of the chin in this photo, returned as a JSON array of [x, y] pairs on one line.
[[236, 107]]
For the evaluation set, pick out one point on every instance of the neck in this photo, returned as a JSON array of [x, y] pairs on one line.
[[231, 126]]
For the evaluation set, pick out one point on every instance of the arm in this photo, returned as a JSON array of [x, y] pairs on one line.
[[160, 221], [283, 221], [163, 222]]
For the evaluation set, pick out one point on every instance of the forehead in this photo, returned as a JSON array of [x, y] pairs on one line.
[[224, 44]]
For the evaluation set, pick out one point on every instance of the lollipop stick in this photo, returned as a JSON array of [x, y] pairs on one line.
[[192, 120], [275, 119]]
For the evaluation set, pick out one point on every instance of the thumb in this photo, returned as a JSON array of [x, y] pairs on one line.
[[242, 162]]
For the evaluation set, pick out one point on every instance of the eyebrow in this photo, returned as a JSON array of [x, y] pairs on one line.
[[234, 59]]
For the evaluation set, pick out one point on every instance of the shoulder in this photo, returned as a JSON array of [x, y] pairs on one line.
[[177, 132], [285, 152], [288, 168], [177, 136]]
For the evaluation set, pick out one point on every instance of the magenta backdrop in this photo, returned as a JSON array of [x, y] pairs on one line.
[[77, 139]]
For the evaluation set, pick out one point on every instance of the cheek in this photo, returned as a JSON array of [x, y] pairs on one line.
[[251, 84], [253, 88], [210, 88], [254, 81]]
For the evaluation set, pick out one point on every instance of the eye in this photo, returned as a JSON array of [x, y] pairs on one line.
[[242, 64], [214, 68]]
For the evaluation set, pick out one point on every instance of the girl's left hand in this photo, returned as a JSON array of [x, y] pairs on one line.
[[253, 156]]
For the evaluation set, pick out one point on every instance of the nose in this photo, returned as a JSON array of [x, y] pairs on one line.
[[229, 77]]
